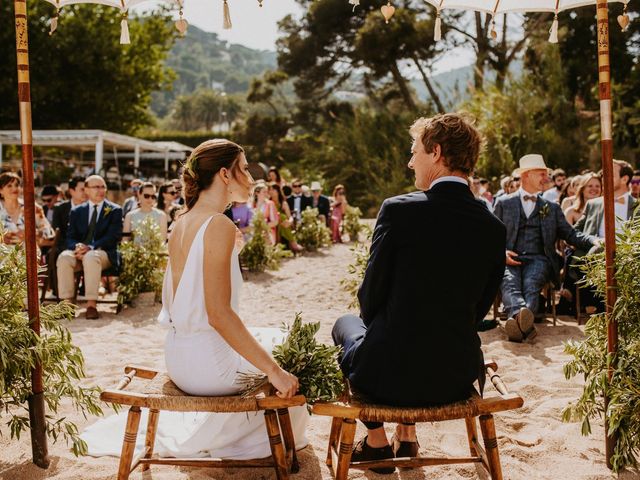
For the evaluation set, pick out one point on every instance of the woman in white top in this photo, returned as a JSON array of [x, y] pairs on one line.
[[147, 200]]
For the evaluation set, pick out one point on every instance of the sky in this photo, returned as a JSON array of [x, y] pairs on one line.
[[256, 27]]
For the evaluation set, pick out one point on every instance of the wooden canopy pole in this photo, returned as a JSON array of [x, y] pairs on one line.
[[604, 84], [36, 399]]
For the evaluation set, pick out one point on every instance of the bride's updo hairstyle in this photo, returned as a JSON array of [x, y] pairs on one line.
[[206, 160]]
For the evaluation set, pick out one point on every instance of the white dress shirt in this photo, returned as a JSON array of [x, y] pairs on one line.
[[91, 205], [621, 209], [449, 178], [527, 205]]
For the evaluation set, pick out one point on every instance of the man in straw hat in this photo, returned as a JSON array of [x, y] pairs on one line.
[[533, 227], [419, 306]]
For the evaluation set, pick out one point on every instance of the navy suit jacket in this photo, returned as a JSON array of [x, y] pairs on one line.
[[554, 227], [108, 229], [436, 262]]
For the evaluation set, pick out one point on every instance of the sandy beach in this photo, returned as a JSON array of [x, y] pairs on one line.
[[534, 442]]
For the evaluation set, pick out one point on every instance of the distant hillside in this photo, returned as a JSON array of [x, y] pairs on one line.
[[201, 59]]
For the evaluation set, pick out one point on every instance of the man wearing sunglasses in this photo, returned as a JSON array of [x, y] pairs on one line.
[[147, 202], [298, 203], [49, 196]]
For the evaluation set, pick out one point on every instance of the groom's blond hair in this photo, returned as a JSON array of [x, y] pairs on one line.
[[459, 140]]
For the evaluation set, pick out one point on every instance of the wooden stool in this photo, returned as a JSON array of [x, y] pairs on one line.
[[343, 428], [162, 394]]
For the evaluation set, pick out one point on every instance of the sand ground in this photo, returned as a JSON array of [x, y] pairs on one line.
[[533, 441]]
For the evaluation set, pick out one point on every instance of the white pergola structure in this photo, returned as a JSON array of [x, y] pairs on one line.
[[102, 142]]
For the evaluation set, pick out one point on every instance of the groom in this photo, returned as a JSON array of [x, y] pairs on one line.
[[435, 265]]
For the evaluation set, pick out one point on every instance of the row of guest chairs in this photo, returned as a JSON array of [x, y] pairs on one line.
[[154, 390]]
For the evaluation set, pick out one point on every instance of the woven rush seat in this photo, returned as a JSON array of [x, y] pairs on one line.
[[161, 394], [354, 407]]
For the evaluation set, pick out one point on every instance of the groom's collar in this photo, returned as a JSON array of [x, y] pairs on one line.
[[448, 178]]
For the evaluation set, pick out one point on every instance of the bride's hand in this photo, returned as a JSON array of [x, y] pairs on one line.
[[286, 384]]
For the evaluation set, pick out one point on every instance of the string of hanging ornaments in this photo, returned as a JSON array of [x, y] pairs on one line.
[[387, 11]]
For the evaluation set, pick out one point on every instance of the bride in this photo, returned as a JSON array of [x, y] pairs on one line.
[[207, 345]]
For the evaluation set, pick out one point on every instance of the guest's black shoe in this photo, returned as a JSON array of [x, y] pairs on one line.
[[486, 325], [404, 449], [362, 452]]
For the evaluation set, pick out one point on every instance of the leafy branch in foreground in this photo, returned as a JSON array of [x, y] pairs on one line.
[[315, 364], [590, 357], [20, 349]]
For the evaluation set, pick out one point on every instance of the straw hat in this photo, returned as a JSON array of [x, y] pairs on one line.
[[316, 186], [533, 161]]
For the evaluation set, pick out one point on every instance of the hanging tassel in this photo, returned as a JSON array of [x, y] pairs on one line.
[[124, 30], [226, 23], [553, 31], [355, 3], [54, 22], [437, 31]]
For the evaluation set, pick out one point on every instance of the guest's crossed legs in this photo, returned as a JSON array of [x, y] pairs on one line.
[[521, 284], [347, 332]]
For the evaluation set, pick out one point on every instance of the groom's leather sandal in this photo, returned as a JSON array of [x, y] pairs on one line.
[[521, 327], [404, 449], [363, 452]]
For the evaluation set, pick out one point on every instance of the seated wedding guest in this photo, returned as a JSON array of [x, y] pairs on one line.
[[475, 185], [12, 213], [534, 225], [132, 202], [167, 194], [635, 185], [93, 234], [147, 199], [558, 177], [338, 207], [320, 202], [179, 201], [592, 223], [77, 196], [263, 204], [590, 188], [50, 195], [417, 313], [273, 175], [285, 234], [568, 195], [298, 202], [242, 215]]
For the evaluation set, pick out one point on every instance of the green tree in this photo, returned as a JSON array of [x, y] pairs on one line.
[[81, 76]]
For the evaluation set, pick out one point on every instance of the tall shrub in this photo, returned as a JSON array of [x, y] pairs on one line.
[[20, 349], [591, 360]]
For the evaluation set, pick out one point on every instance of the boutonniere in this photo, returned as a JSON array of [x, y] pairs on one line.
[[107, 210], [544, 210]]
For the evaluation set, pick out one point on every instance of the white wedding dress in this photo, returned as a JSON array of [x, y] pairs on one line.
[[200, 362]]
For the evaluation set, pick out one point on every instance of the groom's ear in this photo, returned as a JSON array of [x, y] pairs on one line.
[[437, 152]]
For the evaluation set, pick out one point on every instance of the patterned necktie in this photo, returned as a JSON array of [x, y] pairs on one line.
[[92, 226], [530, 198]]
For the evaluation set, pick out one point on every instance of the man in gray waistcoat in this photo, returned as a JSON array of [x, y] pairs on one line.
[[533, 226]]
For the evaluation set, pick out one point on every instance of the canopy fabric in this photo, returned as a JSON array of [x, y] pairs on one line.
[[505, 6]]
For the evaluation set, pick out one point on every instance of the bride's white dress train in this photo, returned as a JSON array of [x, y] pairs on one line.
[[200, 362]]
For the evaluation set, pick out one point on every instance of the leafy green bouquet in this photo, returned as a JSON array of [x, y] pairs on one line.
[[312, 233], [20, 349], [315, 364], [258, 254], [144, 260], [590, 357], [351, 223]]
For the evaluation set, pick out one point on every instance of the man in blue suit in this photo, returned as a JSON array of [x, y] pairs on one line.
[[533, 226], [93, 234]]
